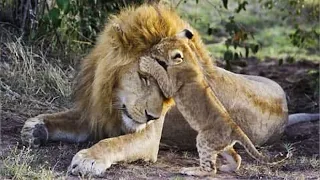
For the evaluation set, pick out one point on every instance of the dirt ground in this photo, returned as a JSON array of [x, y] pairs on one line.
[[299, 80]]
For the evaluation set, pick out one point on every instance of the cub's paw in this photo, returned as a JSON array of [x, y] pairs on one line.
[[84, 165], [196, 171], [34, 132], [228, 168], [145, 64]]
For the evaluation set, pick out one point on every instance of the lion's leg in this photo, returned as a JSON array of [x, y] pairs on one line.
[[62, 126], [233, 159], [139, 145]]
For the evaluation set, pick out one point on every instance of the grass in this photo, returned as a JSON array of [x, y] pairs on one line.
[[19, 164], [290, 169], [29, 72], [30, 79]]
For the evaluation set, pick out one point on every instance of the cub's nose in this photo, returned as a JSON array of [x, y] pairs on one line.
[[150, 117]]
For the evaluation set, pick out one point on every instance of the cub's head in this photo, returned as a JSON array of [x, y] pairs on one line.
[[173, 51]]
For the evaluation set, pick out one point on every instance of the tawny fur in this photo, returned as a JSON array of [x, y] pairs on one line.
[[104, 66], [182, 79], [108, 78]]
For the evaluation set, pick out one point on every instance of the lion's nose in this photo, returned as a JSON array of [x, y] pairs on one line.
[[150, 117]]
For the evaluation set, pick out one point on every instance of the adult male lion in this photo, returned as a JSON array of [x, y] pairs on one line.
[[112, 98]]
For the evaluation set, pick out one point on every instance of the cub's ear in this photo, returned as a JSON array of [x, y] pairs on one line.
[[186, 33]]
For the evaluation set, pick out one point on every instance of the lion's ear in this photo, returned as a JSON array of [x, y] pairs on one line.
[[186, 33]]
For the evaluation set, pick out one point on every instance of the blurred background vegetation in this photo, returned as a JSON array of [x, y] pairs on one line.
[[42, 41], [285, 30], [71, 25], [232, 29]]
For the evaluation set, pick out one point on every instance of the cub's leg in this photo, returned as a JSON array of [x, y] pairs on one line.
[[233, 159], [207, 165], [62, 126], [207, 156], [152, 67]]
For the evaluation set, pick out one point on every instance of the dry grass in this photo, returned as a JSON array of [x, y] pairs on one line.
[[294, 168], [19, 164], [27, 72], [29, 79]]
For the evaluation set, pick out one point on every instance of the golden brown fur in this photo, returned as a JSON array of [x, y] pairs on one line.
[[99, 70], [109, 89], [101, 91], [181, 78]]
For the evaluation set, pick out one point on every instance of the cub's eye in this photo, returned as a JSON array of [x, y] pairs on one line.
[[178, 55], [144, 79]]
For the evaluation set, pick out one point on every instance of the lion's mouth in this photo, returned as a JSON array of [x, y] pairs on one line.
[[125, 111]]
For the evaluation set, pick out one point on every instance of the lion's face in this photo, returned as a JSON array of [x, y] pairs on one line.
[[140, 99]]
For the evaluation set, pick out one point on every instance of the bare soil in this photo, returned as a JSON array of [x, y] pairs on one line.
[[299, 79]]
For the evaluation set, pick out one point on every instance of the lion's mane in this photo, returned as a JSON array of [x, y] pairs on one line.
[[96, 84]]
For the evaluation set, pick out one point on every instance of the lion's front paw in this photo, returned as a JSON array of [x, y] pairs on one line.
[[84, 165], [34, 132]]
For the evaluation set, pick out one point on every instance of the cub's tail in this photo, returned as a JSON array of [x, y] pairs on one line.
[[302, 117], [253, 152]]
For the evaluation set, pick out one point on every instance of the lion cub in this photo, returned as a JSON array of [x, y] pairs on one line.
[[174, 64]]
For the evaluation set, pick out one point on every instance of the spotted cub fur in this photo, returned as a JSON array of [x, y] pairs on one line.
[[174, 64]]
